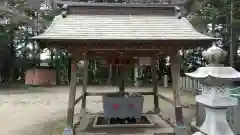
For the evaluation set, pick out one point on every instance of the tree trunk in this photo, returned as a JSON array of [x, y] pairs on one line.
[[57, 68], [12, 59]]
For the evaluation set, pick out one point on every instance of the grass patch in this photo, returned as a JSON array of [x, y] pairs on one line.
[[59, 127]]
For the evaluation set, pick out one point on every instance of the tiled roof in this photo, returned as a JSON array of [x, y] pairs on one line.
[[118, 27]]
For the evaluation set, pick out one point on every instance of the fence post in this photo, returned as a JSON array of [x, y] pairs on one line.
[[185, 82], [165, 81], [180, 82]]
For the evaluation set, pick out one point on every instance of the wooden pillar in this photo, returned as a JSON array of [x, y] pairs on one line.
[[175, 71], [109, 81], [85, 81], [155, 83], [58, 80], [121, 80], [72, 93], [198, 121], [69, 59]]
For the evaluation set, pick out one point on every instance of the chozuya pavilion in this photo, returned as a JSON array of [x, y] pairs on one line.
[[124, 32]]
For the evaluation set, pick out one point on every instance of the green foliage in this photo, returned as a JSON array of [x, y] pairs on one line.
[[19, 20], [203, 12], [212, 17]]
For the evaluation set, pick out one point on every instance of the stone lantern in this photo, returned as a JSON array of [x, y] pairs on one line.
[[217, 82]]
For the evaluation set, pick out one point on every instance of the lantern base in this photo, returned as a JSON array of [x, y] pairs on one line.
[[215, 122]]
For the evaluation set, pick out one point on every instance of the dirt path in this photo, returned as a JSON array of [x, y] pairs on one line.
[[27, 112], [32, 113]]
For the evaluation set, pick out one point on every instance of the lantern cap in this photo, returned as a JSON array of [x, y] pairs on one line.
[[215, 71], [214, 55]]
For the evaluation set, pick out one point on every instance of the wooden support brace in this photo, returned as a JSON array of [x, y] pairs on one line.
[[78, 99], [175, 71], [121, 80], [85, 81], [166, 99], [72, 94], [155, 83]]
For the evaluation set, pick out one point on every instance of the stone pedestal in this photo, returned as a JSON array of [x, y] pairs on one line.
[[68, 131], [219, 124], [216, 101], [180, 130]]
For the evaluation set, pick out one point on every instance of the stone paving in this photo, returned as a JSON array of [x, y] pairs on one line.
[[26, 112]]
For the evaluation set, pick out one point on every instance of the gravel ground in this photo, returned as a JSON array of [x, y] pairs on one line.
[[37, 113]]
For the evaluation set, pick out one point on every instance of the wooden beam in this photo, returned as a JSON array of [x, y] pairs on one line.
[[104, 93], [72, 94], [132, 44], [130, 53], [175, 71], [121, 75], [121, 80], [85, 81], [155, 83]]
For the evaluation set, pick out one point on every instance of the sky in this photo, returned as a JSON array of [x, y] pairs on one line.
[[45, 55]]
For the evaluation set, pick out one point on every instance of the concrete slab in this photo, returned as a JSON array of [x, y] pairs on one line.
[[107, 125], [160, 127]]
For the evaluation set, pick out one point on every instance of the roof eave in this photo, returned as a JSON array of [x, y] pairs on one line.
[[139, 5], [156, 39]]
